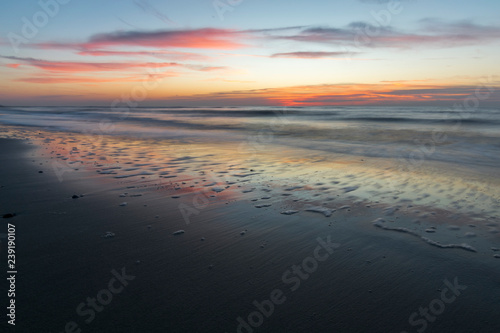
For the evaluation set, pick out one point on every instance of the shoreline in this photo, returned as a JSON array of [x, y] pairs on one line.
[[183, 283]]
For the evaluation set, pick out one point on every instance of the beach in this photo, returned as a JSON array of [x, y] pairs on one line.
[[252, 219]]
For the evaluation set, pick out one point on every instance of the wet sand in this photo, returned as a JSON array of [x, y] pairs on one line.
[[246, 222]]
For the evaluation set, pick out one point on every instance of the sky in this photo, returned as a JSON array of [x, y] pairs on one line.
[[249, 52]]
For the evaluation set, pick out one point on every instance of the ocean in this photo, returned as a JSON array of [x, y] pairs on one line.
[[212, 210], [411, 134]]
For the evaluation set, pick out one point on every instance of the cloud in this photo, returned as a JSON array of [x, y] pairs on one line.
[[351, 94], [76, 67], [206, 68], [206, 38], [227, 80], [312, 55], [431, 33], [380, 2], [148, 8], [55, 79], [172, 55], [72, 67]]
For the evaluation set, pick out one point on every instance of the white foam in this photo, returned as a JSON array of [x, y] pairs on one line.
[[463, 246], [108, 234], [380, 224]]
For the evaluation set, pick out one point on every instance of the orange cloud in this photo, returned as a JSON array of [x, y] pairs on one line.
[[348, 94]]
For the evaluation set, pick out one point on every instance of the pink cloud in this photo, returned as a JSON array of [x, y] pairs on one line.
[[207, 38], [313, 55], [91, 79], [174, 55], [72, 67]]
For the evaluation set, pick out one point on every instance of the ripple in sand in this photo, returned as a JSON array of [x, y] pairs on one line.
[[107, 172], [319, 209], [145, 173], [348, 189], [391, 210], [289, 212], [263, 206], [241, 175], [293, 188]]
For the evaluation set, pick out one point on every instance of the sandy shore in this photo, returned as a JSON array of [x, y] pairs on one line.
[[109, 261]]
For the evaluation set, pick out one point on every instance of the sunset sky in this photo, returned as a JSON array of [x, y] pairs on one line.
[[249, 52]]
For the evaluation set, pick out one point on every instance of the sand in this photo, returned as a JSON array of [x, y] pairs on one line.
[[204, 259]]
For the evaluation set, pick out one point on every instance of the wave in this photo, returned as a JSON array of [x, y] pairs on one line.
[[424, 120]]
